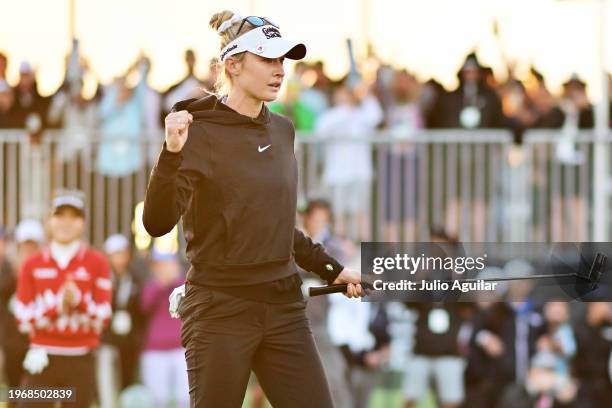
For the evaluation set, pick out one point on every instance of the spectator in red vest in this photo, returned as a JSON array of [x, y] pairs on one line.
[[63, 302]]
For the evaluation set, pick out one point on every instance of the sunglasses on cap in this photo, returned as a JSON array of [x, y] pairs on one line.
[[255, 21]]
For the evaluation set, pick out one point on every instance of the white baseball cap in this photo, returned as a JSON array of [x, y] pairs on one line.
[[69, 198], [116, 243], [29, 230], [265, 41]]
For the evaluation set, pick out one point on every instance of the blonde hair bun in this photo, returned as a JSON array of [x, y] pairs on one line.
[[219, 18]]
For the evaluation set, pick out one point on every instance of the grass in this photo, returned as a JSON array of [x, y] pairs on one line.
[[380, 398]]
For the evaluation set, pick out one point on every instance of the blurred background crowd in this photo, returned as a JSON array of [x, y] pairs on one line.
[[481, 354], [366, 140], [502, 353], [129, 106]]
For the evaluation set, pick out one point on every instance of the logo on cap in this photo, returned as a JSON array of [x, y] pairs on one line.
[[259, 49], [233, 47], [271, 32]]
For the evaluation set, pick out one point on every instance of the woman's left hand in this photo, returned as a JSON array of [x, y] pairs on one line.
[[353, 280]]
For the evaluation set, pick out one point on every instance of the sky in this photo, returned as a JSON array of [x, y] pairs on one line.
[[429, 38]]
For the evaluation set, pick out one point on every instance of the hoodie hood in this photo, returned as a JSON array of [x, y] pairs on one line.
[[211, 110]]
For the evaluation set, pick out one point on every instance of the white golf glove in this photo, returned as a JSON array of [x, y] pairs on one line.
[[36, 360], [121, 323], [175, 299]]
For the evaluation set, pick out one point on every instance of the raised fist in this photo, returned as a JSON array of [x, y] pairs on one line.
[[177, 126]]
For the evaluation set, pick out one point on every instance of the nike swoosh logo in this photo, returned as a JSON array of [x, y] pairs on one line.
[[261, 149]]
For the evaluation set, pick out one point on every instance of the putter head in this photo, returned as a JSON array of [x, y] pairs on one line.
[[593, 274]]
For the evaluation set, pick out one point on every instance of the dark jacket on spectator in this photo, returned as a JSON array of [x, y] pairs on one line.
[[489, 105]]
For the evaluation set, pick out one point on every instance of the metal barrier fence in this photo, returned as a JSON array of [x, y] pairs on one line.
[[30, 173], [475, 184]]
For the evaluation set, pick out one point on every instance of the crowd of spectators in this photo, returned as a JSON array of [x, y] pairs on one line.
[[483, 354]]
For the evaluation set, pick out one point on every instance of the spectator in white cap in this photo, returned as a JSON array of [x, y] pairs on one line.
[[29, 236], [30, 230], [119, 353], [63, 302]]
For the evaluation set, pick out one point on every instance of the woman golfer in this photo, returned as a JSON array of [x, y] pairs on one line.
[[228, 168]]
